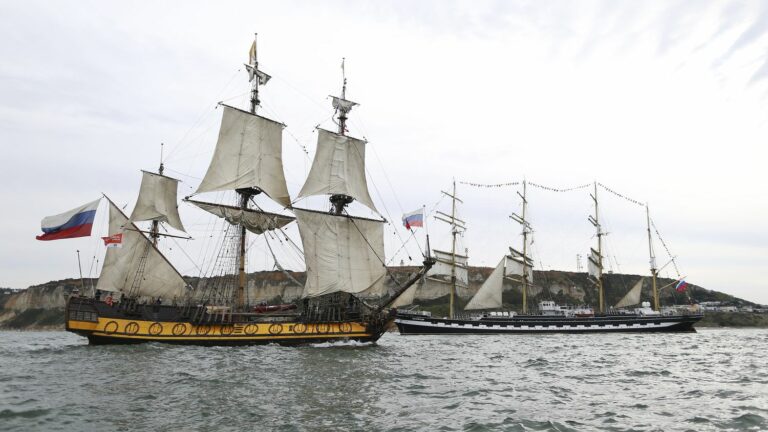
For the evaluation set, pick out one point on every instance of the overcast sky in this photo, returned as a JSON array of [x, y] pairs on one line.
[[662, 102]]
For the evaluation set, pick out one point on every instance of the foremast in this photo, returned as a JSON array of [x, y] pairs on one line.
[[344, 254], [342, 106], [456, 225]]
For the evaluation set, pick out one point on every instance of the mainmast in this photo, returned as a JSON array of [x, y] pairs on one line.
[[654, 270], [525, 283], [596, 257], [257, 78], [343, 107]]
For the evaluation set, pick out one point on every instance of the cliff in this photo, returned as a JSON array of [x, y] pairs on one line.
[[42, 306]]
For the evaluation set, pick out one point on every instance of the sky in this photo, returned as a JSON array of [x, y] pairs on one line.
[[664, 102]]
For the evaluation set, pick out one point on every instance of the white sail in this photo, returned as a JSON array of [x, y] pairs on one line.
[[441, 271], [122, 266], [157, 200], [515, 267], [594, 264], [255, 221], [489, 294], [248, 154], [338, 168], [342, 104], [342, 253], [407, 297], [632, 297]]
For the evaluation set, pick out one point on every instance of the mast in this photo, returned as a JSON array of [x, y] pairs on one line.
[[254, 63], [521, 220], [246, 193], [154, 232], [654, 270], [454, 231], [343, 106], [598, 262]]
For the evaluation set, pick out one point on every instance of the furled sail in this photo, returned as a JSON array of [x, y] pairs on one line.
[[338, 168], [157, 200], [632, 297], [515, 266], [248, 154], [255, 221], [123, 264], [595, 264], [441, 271], [342, 253], [342, 104], [489, 294]]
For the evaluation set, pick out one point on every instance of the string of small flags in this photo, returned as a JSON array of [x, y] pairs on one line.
[[482, 185], [620, 195], [551, 189]]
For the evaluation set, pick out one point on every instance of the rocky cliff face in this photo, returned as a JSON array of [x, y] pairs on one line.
[[42, 306]]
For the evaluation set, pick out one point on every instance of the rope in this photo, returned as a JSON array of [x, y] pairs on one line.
[[483, 185], [383, 264], [551, 189], [633, 201], [663, 243]]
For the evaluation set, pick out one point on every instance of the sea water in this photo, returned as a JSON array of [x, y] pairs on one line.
[[711, 380]]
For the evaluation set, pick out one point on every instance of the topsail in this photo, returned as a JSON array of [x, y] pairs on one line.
[[248, 155], [338, 168], [157, 200]]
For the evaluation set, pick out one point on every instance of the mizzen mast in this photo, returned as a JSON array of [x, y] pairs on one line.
[[654, 270]]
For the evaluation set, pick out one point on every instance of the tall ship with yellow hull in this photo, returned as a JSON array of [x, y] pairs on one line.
[[141, 297]]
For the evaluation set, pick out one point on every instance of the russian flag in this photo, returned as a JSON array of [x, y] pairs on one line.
[[414, 219], [680, 287], [74, 223]]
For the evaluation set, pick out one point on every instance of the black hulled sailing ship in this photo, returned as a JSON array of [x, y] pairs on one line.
[[484, 312], [141, 297]]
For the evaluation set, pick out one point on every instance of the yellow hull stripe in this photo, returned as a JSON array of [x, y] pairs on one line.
[[184, 331]]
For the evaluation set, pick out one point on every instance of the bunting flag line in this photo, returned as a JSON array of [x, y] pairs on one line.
[[489, 185], [620, 195], [559, 190]]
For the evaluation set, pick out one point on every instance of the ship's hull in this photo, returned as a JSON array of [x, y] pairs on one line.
[[418, 324], [107, 324]]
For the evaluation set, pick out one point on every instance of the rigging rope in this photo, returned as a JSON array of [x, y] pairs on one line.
[[663, 243], [633, 201]]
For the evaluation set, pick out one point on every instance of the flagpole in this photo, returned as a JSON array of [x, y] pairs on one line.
[[426, 228], [82, 285]]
